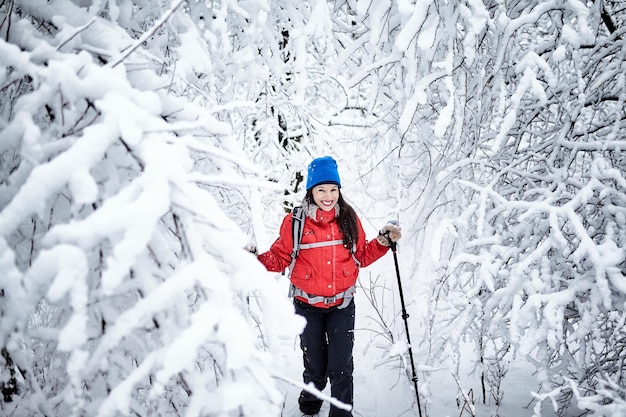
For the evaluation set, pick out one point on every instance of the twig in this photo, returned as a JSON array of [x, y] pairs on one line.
[[7, 18], [311, 389], [146, 35], [467, 401], [78, 30]]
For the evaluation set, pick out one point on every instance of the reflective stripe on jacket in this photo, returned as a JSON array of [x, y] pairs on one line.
[[326, 270]]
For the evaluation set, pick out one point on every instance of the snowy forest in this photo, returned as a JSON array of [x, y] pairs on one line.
[[145, 144]]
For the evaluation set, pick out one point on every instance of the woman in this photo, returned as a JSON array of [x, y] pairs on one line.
[[333, 247]]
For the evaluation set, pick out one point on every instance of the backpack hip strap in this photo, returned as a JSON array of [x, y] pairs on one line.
[[346, 295]]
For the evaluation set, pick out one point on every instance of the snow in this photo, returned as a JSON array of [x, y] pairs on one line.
[[528, 85], [417, 14], [445, 117], [427, 36]]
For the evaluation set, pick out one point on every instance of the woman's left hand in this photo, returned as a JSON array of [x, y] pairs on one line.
[[389, 233]]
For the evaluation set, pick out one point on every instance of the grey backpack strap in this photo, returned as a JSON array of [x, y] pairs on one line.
[[352, 252], [321, 244], [297, 225]]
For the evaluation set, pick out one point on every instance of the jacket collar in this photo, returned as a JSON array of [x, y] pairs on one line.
[[319, 215]]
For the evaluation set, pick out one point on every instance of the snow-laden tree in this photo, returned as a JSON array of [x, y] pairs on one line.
[[501, 125], [522, 106], [124, 285], [546, 230]]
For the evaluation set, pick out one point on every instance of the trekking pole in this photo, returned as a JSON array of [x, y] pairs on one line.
[[405, 316]]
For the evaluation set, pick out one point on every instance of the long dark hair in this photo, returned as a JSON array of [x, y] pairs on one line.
[[346, 218]]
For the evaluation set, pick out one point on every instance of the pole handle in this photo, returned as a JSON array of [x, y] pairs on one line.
[[393, 245]]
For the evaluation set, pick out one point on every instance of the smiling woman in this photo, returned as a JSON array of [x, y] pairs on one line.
[[333, 248], [324, 183]]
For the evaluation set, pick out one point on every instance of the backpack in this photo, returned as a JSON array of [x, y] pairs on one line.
[[297, 226]]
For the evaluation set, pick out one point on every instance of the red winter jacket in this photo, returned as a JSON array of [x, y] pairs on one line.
[[326, 270]]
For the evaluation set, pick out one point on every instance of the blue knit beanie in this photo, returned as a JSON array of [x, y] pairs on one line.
[[322, 171]]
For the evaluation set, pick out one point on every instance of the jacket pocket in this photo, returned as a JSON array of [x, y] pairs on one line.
[[349, 275], [300, 274]]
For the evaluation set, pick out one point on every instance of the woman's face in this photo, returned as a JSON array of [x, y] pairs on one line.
[[326, 196]]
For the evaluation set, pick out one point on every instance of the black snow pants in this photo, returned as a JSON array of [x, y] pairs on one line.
[[327, 342]]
